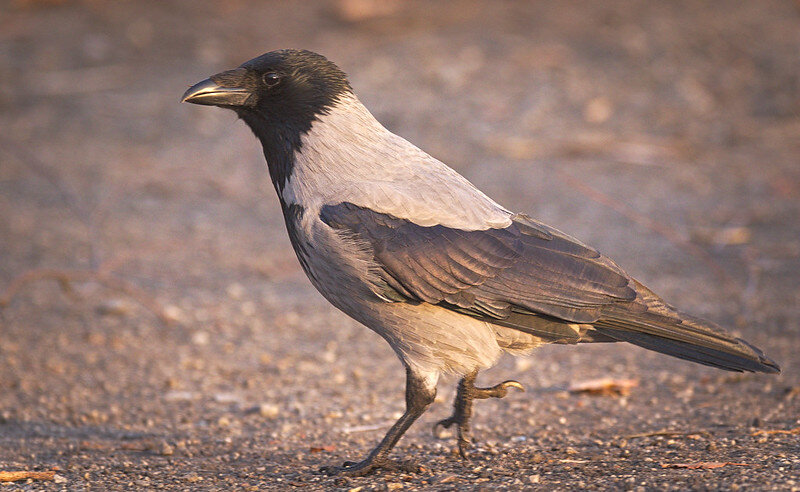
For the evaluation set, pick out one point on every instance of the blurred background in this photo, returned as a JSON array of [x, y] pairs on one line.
[[156, 328]]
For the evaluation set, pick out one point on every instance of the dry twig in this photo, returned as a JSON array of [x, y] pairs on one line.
[[703, 465], [15, 476], [669, 433], [772, 432], [604, 387]]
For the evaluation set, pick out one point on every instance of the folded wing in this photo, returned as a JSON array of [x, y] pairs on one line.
[[518, 275]]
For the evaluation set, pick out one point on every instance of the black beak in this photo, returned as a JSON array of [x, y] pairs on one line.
[[209, 93]]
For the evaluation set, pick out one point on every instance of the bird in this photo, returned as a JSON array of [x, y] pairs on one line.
[[412, 250]]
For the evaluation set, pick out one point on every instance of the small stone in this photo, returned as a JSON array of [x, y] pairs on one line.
[[192, 478], [114, 307], [201, 338], [165, 449], [173, 313], [394, 486], [269, 410], [59, 478], [535, 478]]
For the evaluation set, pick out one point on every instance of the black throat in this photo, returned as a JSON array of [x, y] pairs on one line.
[[280, 144]]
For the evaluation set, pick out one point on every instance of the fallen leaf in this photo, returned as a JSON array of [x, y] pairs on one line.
[[703, 465], [14, 476], [319, 449], [604, 387]]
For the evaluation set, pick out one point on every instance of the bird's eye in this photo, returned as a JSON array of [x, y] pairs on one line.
[[271, 79]]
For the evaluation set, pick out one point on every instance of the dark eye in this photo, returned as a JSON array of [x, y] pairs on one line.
[[271, 79]]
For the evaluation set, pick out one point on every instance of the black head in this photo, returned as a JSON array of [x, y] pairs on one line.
[[283, 87], [279, 95]]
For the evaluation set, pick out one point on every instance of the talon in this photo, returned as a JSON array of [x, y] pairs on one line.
[[352, 469], [361, 468], [410, 466], [463, 447], [512, 384], [498, 390]]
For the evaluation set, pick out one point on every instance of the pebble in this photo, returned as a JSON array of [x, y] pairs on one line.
[[114, 307], [165, 449], [269, 410]]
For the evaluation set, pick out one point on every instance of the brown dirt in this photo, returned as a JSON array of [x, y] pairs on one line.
[[605, 119]]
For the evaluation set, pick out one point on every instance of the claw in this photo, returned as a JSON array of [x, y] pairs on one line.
[[352, 469], [463, 446], [513, 384], [498, 390], [361, 468]]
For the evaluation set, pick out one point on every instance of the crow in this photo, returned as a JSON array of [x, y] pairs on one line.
[[412, 250]]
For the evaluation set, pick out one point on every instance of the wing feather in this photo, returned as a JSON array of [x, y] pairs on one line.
[[534, 279], [526, 264]]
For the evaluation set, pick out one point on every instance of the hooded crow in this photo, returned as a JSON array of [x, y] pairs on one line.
[[411, 249]]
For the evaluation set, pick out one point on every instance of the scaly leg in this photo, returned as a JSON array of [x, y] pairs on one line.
[[462, 407], [420, 393]]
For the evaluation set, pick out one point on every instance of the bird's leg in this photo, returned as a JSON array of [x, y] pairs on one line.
[[420, 393], [462, 407]]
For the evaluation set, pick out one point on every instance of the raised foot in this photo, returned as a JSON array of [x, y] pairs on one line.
[[497, 391], [462, 408], [362, 468]]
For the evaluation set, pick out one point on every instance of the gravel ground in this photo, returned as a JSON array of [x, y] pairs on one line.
[[157, 332]]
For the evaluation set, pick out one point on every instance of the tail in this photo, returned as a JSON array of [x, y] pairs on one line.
[[650, 323]]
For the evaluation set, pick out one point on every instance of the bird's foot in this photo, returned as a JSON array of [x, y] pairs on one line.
[[496, 391], [369, 465], [462, 409]]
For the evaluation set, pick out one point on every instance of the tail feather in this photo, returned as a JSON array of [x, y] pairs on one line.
[[752, 360], [661, 328]]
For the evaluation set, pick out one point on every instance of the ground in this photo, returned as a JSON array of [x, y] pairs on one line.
[[157, 332]]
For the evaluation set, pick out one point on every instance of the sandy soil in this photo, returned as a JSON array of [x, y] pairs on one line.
[[158, 333]]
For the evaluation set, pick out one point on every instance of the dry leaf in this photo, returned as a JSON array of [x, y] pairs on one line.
[[319, 449], [604, 386]]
